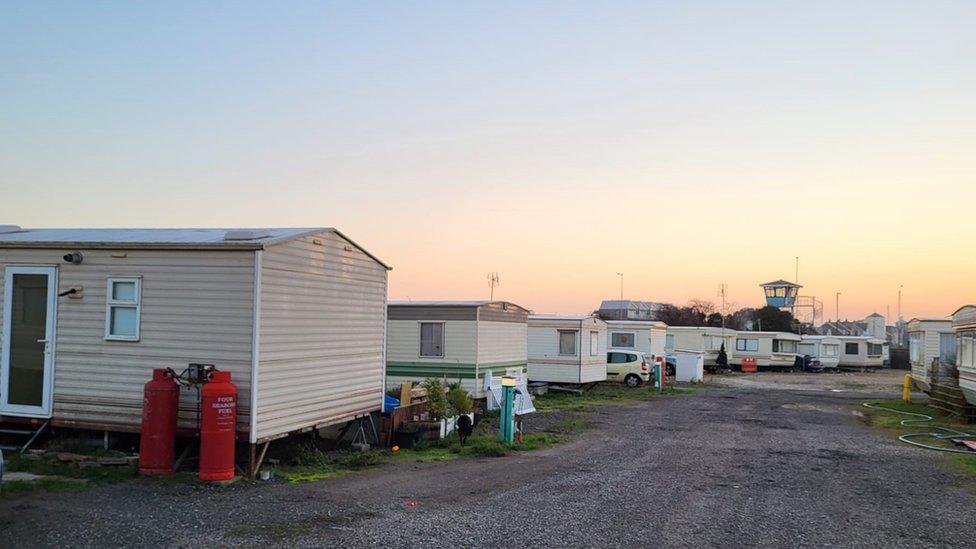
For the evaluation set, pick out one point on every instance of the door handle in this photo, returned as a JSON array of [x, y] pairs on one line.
[[42, 341]]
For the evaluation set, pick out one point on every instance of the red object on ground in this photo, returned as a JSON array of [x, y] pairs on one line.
[[749, 365], [218, 427], [160, 404]]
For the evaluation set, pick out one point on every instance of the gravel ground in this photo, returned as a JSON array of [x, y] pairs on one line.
[[726, 466]]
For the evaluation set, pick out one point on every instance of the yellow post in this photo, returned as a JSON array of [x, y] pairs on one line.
[[405, 393], [906, 388]]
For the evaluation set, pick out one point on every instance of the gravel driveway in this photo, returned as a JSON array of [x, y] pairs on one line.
[[723, 467]]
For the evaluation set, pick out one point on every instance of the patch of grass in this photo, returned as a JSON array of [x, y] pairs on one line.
[[571, 425], [606, 393], [48, 467], [892, 422], [965, 464], [309, 474], [12, 488]]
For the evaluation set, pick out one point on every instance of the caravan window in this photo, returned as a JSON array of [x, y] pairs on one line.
[[750, 345], [669, 342], [622, 339], [713, 343], [850, 348], [965, 357], [594, 343], [123, 306], [567, 342], [829, 349], [784, 346], [915, 347], [947, 348], [431, 339], [808, 349], [874, 349]]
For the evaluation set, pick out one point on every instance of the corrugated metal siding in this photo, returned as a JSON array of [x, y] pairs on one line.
[[502, 342], [460, 342], [323, 310], [196, 307]]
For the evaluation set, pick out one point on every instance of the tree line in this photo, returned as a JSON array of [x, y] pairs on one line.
[[701, 312]]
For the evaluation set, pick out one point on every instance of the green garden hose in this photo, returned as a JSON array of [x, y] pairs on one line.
[[924, 419]]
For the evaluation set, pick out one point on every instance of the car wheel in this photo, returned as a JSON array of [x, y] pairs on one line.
[[632, 380]]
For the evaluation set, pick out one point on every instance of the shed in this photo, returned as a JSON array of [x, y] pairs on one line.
[[770, 349], [457, 341], [649, 337], [297, 316], [705, 339], [964, 325], [931, 343], [567, 349]]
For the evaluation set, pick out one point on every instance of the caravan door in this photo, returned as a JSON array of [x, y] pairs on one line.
[[27, 361]]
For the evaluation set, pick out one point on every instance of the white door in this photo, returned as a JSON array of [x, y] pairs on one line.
[[26, 364]]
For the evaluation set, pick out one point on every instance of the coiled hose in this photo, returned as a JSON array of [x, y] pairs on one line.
[[952, 435]]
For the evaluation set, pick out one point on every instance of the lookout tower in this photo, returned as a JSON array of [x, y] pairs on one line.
[[781, 294]]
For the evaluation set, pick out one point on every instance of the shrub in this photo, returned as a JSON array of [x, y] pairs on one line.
[[436, 398], [458, 400]]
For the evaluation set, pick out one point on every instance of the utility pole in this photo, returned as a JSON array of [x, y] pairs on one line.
[[492, 282], [796, 277], [621, 275], [837, 306]]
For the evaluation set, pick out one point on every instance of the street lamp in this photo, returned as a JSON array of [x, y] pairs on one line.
[[621, 275]]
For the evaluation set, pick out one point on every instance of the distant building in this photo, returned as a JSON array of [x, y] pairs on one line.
[[627, 309], [843, 328]]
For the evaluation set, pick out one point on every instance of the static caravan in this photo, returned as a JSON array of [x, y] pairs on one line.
[[567, 349], [861, 352], [826, 349], [646, 336], [964, 325], [457, 341], [297, 316], [706, 340], [930, 340], [770, 349]]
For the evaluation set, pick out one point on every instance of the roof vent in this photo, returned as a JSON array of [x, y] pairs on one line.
[[247, 234], [4, 229]]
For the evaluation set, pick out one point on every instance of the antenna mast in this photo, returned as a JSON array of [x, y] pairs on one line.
[[492, 282]]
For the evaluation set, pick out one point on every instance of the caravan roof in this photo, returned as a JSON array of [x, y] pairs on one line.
[[12, 236]]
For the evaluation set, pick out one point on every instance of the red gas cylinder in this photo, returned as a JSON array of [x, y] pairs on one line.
[[218, 427], [160, 403]]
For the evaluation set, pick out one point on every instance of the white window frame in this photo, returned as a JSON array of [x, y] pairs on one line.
[[633, 337], [111, 303], [745, 345], [559, 340], [420, 339], [594, 343], [830, 349]]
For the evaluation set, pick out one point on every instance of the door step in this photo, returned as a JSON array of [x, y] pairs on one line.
[[20, 439]]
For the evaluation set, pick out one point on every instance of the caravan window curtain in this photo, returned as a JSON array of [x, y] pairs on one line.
[[947, 348], [432, 339], [567, 342]]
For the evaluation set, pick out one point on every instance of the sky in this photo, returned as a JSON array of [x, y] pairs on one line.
[[684, 144]]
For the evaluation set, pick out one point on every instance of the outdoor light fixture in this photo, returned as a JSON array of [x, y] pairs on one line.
[[75, 258]]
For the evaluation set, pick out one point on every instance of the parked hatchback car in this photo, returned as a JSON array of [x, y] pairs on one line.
[[628, 366]]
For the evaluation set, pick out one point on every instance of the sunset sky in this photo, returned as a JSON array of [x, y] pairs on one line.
[[682, 143]]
